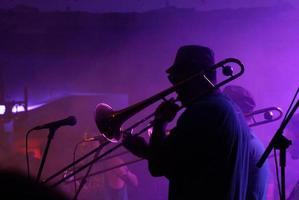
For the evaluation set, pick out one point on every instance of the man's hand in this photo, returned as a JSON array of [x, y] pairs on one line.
[[137, 145], [166, 111]]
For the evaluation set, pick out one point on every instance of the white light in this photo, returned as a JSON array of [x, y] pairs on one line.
[[2, 109], [35, 106], [18, 108]]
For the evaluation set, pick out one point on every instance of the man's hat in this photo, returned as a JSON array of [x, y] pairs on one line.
[[241, 97], [193, 58]]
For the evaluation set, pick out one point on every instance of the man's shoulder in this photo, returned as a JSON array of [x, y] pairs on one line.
[[212, 106], [215, 102]]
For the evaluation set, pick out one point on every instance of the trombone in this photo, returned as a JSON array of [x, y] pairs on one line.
[[268, 116], [109, 122]]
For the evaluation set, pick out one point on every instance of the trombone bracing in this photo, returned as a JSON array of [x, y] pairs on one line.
[[109, 122]]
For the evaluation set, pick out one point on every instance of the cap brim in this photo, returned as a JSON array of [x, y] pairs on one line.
[[171, 69]]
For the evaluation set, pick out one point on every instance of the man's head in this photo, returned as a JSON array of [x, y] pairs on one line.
[[191, 60], [292, 132], [241, 97]]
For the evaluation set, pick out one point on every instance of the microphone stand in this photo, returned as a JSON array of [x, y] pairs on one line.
[[84, 179], [281, 143], [50, 137]]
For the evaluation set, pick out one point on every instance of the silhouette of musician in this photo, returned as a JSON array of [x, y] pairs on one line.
[[207, 154], [258, 177]]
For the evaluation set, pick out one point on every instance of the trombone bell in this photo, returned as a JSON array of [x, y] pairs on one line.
[[108, 127]]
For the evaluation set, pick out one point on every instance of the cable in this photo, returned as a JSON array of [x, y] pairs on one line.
[[83, 181], [74, 158]]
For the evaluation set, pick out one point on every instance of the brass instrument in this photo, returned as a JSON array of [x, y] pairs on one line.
[[109, 122], [268, 116]]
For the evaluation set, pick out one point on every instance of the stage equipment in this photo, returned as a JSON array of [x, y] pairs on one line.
[[52, 126], [69, 121], [10, 109], [281, 143]]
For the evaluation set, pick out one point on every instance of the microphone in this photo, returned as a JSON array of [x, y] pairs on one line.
[[69, 121], [91, 139]]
